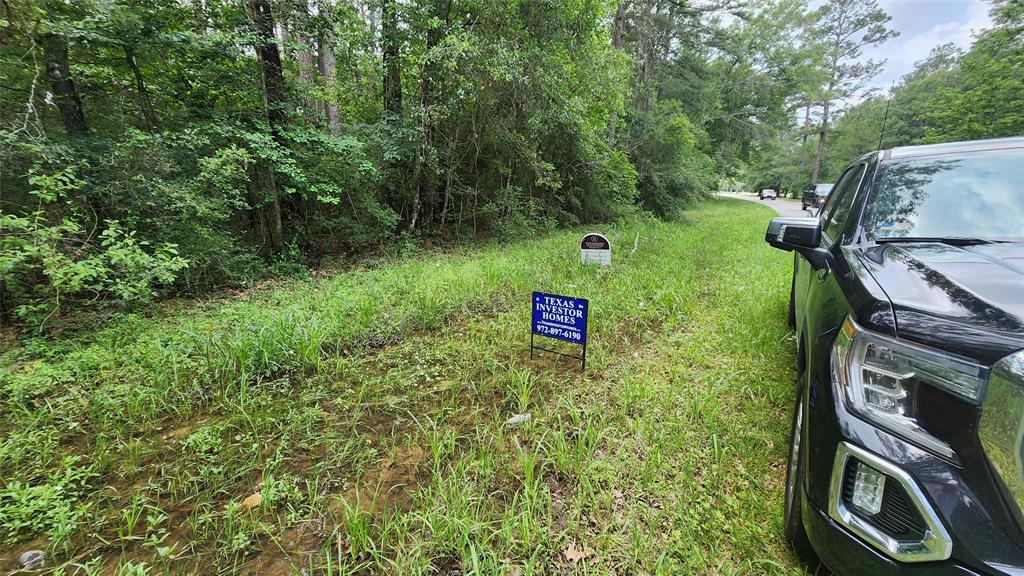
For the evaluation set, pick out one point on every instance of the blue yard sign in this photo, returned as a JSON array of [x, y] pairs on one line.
[[560, 317]]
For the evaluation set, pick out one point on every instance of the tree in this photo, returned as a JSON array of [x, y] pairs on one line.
[[266, 193], [424, 177], [392, 59], [58, 72], [671, 99], [846, 27], [305, 54], [261, 136], [986, 101], [326, 66], [765, 60], [950, 95]]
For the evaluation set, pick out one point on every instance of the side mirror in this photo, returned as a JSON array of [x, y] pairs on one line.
[[800, 235]]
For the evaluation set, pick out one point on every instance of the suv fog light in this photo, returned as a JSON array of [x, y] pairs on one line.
[[868, 489], [879, 502]]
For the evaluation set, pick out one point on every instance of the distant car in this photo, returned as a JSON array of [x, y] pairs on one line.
[[767, 194], [908, 306], [814, 198]]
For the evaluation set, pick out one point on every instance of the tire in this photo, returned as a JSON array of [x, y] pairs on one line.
[[793, 525]]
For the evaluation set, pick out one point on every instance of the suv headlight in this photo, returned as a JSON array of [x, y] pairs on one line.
[[878, 378]]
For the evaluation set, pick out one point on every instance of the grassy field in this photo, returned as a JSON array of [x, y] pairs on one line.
[[357, 423]]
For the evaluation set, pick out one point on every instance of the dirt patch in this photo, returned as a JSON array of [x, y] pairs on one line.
[[184, 429], [9, 557], [389, 485], [294, 552]]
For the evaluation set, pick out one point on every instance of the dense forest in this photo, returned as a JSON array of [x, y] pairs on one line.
[[159, 146]]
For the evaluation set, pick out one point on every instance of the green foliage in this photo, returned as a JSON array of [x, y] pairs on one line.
[[951, 95], [986, 100], [63, 265], [674, 170], [195, 130], [47, 262], [612, 187], [50, 508]]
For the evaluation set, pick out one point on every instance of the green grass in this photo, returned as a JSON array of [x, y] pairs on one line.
[[381, 446]]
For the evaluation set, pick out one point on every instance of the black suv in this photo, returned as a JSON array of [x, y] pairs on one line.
[[815, 197], [908, 304]]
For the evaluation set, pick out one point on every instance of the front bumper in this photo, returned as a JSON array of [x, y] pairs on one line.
[[980, 544], [846, 555]]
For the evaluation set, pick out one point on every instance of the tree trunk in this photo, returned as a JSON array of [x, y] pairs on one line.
[[307, 78], [392, 65], [619, 25], [307, 61], [393, 183], [821, 142], [274, 98], [807, 123], [282, 36], [255, 192], [423, 176], [55, 49], [140, 86], [270, 204], [270, 66], [326, 63], [618, 28]]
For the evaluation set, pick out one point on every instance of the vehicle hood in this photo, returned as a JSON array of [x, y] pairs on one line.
[[965, 299]]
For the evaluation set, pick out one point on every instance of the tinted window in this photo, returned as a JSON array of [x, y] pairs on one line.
[[974, 195], [830, 202], [847, 194]]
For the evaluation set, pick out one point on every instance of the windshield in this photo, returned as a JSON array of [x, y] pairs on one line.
[[822, 189], [974, 195]]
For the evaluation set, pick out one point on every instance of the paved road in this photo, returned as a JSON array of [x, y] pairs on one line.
[[783, 207]]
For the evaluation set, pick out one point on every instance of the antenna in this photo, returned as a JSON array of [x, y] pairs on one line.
[[888, 102]]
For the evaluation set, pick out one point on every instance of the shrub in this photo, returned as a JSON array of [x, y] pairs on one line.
[[49, 260], [674, 170]]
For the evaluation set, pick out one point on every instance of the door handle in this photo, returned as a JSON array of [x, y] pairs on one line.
[[822, 274]]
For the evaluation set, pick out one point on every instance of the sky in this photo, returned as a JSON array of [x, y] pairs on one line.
[[923, 25]]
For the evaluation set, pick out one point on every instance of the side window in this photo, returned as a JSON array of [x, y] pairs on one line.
[[837, 217], [833, 197]]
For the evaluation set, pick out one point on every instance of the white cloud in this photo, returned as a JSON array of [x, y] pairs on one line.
[[905, 51], [924, 24]]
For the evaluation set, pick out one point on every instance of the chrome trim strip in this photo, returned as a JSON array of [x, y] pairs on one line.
[[936, 544]]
